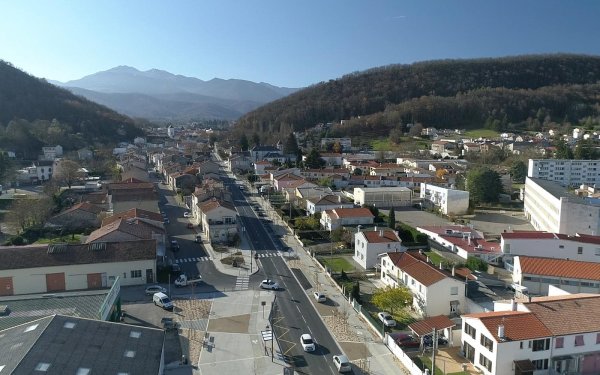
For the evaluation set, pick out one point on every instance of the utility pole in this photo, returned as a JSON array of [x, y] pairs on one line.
[[433, 345]]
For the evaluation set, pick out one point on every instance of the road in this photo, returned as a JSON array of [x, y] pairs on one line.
[[297, 315]]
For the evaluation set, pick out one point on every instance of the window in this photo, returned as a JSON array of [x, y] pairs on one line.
[[485, 362], [521, 345], [540, 364], [561, 246], [579, 340], [486, 342], [597, 251], [597, 338], [579, 250], [539, 345], [560, 342], [454, 291], [470, 330], [136, 273]]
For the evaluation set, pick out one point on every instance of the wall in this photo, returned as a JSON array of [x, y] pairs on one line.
[[550, 248], [438, 297], [541, 207]]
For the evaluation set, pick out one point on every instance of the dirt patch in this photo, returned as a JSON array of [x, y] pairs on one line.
[[194, 309], [355, 350], [341, 329], [191, 340], [231, 324]]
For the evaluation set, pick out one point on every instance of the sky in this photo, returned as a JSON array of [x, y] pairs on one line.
[[282, 42]]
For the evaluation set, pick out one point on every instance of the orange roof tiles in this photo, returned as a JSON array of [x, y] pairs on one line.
[[560, 268], [426, 326], [381, 236], [350, 212], [518, 325]]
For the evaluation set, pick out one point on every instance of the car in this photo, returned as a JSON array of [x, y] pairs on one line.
[[198, 238], [174, 245], [155, 289], [269, 284], [406, 341], [190, 226], [175, 269], [308, 344], [162, 300], [166, 220], [342, 363], [386, 319], [261, 214], [187, 214], [320, 296], [427, 340]]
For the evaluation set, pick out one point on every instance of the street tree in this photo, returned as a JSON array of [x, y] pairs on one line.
[[68, 172], [391, 299], [483, 185]]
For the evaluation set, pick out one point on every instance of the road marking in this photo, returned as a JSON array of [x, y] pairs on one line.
[[241, 282]]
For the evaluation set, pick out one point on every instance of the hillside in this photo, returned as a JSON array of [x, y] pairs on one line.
[[445, 93], [35, 112], [160, 95]]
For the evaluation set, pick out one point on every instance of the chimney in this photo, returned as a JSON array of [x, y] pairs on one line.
[[501, 332], [375, 229], [453, 271], [339, 199], [469, 239], [441, 266], [381, 233], [427, 259], [513, 305]]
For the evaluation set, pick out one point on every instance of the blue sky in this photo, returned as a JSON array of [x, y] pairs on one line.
[[285, 43]]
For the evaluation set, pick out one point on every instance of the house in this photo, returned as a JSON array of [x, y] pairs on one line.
[[257, 153], [206, 167], [332, 158], [326, 202], [238, 163], [284, 181], [51, 152], [126, 229], [80, 216], [59, 267], [370, 244], [345, 143], [218, 219], [442, 147], [317, 174], [386, 170], [122, 196], [463, 241], [260, 166], [447, 201], [537, 274], [584, 248], [85, 154], [383, 197], [435, 291], [565, 172], [551, 207], [549, 335], [64, 344], [153, 218], [340, 217], [471, 147]]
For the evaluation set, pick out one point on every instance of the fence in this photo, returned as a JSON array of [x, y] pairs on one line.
[[402, 357]]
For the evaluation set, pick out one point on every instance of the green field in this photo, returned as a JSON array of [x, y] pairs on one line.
[[337, 264], [482, 133]]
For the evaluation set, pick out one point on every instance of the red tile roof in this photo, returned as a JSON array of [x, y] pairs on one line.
[[417, 267], [381, 236], [350, 212], [567, 316], [518, 325], [213, 203], [133, 213], [83, 206], [559, 268], [527, 235], [426, 326]]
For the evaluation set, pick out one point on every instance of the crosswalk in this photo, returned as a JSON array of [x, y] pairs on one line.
[[241, 283], [204, 259]]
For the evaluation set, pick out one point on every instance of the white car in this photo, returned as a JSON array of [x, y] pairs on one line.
[[269, 284], [320, 297], [187, 214], [387, 319], [342, 363], [308, 344], [155, 289]]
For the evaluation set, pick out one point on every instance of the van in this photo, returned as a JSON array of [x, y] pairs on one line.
[[519, 289], [342, 363], [162, 300]]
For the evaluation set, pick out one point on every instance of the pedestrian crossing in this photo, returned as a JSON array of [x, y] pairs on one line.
[[266, 255], [204, 259], [241, 283]]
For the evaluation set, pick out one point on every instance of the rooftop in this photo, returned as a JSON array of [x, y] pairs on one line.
[[562, 268]]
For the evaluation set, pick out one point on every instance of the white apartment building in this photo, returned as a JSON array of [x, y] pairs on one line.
[[369, 245], [448, 201], [565, 172], [435, 291], [551, 208], [550, 335], [383, 197], [584, 248]]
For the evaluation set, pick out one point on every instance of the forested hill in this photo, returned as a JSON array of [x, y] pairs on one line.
[[453, 82], [28, 106]]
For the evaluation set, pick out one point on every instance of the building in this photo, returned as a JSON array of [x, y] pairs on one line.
[[463, 241], [435, 291], [565, 172], [537, 274], [371, 244], [584, 248], [60, 267], [326, 202], [258, 153], [383, 197], [551, 208], [341, 217], [550, 335], [448, 201], [346, 143], [218, 220], [80, 216]]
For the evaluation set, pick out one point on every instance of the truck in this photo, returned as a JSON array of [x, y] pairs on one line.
[[184, 280]]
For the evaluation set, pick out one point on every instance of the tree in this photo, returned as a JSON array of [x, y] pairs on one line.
[[395, 135], [28, 212], [391, 299], [290, 147], [415, 130], [392, 218], [476, 264], [585, 150], [518, 171], [313, 159], [374, 210], [483, 185], [68, 172], [255, 139], [356, 291], [563, 151], [7, 168], [244, 142]]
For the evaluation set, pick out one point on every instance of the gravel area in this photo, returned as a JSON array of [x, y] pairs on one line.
[[191, 339]]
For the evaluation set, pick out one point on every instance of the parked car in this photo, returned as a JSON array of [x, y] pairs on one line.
[[174, 245], [190, 226], [320, 297], [342, 363], [427, 340], [187, 214], [406, 341], [166, 220], [155, 289], [387, 319], [269, 284], [175, 269], [308, 344], [162, 300]]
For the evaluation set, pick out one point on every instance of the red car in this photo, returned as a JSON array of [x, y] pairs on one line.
[[406, 341]]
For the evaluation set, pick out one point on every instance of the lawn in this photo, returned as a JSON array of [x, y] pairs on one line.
[[337, 264], [72, 239], [426, 361], [434, 257], [482, 133]]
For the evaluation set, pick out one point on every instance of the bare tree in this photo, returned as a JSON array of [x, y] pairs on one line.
[[67, 172], [28, 212]]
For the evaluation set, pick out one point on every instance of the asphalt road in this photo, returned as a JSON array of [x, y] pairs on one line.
[[297, 315]]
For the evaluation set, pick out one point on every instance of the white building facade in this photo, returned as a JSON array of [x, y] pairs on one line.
[[565, 172], [369, 245], [448, 201], [383, 197]]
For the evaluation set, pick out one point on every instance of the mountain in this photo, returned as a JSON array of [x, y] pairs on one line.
[[157, 94], [466, 93], [35, 111]]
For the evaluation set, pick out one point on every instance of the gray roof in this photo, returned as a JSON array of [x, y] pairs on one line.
[[67, 344], [552, 187], [25, 308]]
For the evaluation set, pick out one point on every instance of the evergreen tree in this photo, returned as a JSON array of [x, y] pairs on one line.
[[563, 151], [255, 139], [518, 171], [244, 142], [392, 218], [313, 159], [483, 185]]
